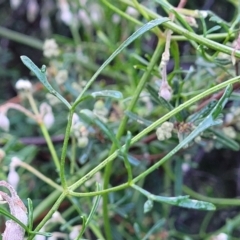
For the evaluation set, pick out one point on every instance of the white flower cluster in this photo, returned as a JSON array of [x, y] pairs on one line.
[[100, 110], [62, 76], [50, 48], [79, 131], [165, 131]]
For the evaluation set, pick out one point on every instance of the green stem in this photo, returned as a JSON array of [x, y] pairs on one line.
[[64, 149], [50, 145], [121, 129], [49, 214], [40, 175], [21, 38], [44, 131], [73, 156]]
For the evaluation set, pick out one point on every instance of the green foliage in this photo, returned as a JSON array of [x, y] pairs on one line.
[[120, 161]]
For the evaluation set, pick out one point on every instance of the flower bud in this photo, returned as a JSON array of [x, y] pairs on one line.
[[82, 142], [47, 115], [22, 84], [165, 91], [49, 120], [4, 122]]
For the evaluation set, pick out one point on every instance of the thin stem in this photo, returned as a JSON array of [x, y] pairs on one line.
[[50, 145], [64, 150], [73, 155], [44, 131], [50, 213], [21, 38], [39, 175], [4, 108], [121, 130]]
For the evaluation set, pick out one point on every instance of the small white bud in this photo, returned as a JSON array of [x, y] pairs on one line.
[[165, 91], [4, 122], [229, 118], [167, 135], [47, 115], [82, 142], [132, 12], [49, 120], [75, 119], [160, 134], [197, 139], [22, 84], [203, 13], [220, 236], [13, 178], [230, 132], [75, 232]]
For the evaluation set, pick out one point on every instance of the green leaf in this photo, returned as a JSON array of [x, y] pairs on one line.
[[216, 19], [186, 202], [137, 119], [225, 140], [209, 121], [203, 112], [9, 215], [41, 75], [93, 210], [181, 201], [213, 29], [148, 205], [30, 214], [156, 227], [108, 93]]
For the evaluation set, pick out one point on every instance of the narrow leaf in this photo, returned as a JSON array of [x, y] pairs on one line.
[[137, 119], [225, 140], [108, 93], [41, 75], [184, 201]]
